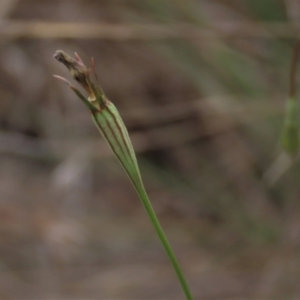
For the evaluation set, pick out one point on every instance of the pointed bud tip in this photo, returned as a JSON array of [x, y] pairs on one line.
[[78, 59], [62, 79], [59, 55]]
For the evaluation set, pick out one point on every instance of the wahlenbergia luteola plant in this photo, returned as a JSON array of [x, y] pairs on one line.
[[110, 124]]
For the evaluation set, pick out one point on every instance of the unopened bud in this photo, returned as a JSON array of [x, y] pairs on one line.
[[77, 70]]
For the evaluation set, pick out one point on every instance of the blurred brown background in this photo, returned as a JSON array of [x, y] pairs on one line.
[[201, 86]]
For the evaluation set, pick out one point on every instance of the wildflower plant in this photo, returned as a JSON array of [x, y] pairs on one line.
[[110, 124]]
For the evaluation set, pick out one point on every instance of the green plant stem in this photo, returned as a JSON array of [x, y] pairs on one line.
[[293, 70], [290, 135], [152, 215]]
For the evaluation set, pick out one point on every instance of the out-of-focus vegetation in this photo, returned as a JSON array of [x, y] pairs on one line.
[[201, 86]]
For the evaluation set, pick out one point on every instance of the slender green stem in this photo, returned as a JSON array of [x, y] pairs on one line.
[[152, 215], [293, 70], [290, 135]]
